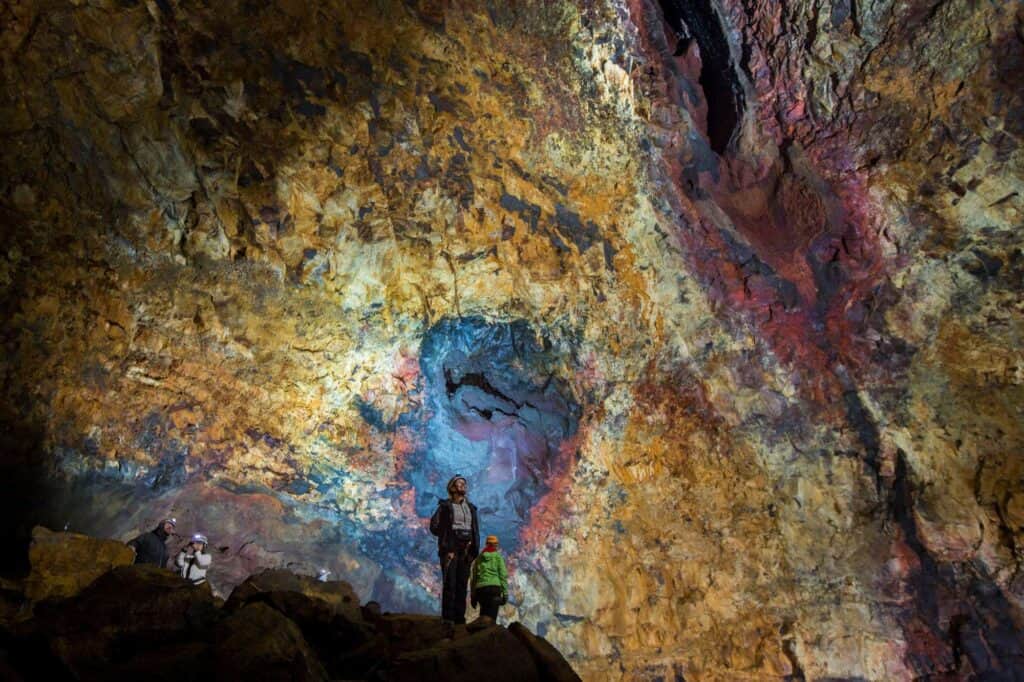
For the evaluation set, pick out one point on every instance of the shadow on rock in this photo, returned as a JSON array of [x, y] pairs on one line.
[[142, 622]]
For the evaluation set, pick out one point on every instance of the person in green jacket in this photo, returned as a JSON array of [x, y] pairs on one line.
[[489, 580]]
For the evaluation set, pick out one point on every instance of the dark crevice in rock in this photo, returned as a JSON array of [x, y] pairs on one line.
[[812, 28], [981, 628], [867, 431], [901, 511], [798, 672], [922, 620], [487, 412], [956, 624], [860, 419], [479, 381], [722, 90]]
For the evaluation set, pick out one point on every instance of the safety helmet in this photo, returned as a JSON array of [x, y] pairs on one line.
[[199, 537]]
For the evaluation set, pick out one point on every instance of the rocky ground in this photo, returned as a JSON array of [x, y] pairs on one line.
[[86, 613], [717, 305]]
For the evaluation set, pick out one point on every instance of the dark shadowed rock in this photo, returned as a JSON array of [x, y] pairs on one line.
[[327, 613], [128, 610], [336, 593], [371, 611], [257, 642], [7, 672], [133, 600], [146, 623], [178, 662], [347, 646], [493, 654], [410, 632], [551, 665], [13, 604]]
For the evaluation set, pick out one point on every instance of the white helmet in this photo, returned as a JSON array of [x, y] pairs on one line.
[[199, 537]]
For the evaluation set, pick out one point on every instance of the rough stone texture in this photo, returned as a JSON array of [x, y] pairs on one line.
[[129, 609], [716, 303], [494, 654], [551, 665], [258, 642], [405, 632], [337, 595], [142, 622], [64, 563], [327, 614]]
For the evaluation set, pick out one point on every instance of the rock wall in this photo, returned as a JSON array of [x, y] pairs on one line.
[[716, 304]]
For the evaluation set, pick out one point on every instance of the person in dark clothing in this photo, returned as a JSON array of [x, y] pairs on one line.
[[151, 547], [457, 528]]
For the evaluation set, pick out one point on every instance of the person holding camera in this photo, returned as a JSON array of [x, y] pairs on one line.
[[455, 524], [193, 560]]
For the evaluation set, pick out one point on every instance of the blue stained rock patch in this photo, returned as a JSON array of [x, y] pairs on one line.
[[169, 471], [497, 413], [371, 415]]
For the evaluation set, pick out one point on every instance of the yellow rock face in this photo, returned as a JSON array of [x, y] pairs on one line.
[[63, 564]]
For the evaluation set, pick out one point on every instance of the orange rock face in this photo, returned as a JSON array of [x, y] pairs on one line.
[[715, 304]]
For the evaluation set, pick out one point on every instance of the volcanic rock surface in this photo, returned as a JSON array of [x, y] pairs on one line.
[[716, 304], [144, 622]]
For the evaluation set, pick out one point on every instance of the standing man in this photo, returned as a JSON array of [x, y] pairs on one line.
[[151, 547], [458, 542]]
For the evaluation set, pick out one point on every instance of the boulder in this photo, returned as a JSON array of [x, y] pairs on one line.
[[129, 609], [493, 654], [13, 606], [176, 662], [62, 564], [346, 645], [551, 665], [257, 642], [411, 632], [337, 593], [143, 622]]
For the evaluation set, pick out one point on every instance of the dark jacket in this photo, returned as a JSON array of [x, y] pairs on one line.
[[151, 547], [441, 526]]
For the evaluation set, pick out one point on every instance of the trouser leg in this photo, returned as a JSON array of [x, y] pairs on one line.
[[454, 578], [490, 599], [448, 580], [461, 568]]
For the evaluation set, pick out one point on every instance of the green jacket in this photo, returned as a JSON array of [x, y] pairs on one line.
[[489, 569]]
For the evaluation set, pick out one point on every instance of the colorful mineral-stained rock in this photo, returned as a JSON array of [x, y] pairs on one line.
[[716, 304]]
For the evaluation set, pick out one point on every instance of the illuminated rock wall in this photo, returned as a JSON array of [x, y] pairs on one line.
[[717, 305]]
